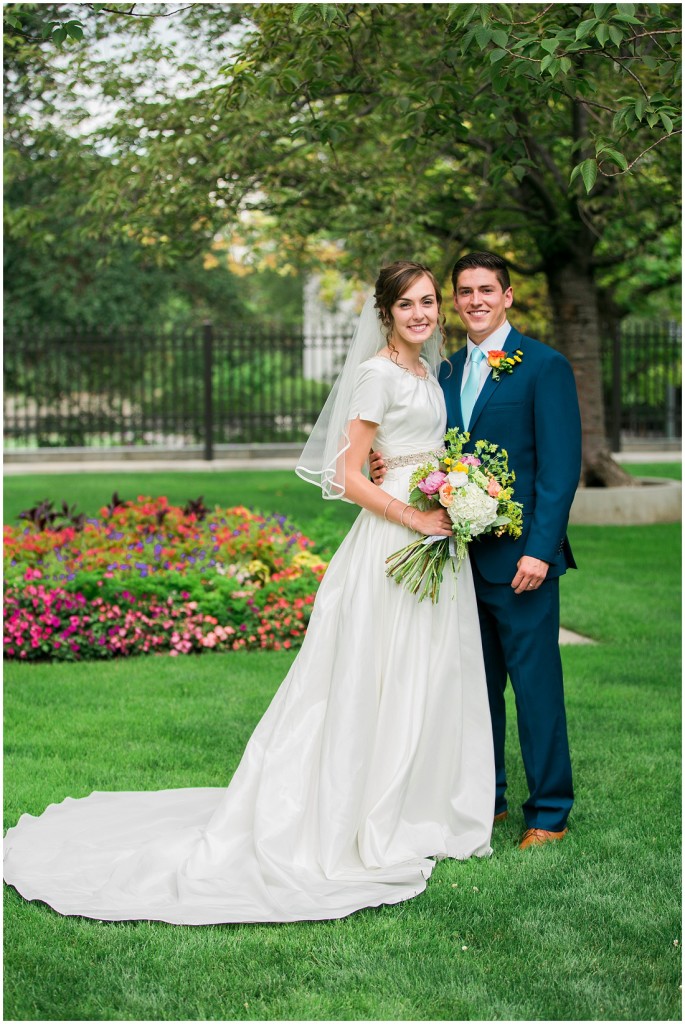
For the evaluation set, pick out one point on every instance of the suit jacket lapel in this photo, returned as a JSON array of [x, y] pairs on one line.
[[452, 388]]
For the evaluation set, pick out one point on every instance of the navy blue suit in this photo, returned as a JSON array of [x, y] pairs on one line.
[[533, 413]]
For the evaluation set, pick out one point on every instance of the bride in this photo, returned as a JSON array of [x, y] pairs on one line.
[[375, 755]]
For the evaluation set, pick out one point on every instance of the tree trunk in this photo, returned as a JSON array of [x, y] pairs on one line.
[[573, 294]]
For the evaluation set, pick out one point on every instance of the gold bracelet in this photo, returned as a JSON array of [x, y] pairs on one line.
[[414, 510], [387, 507], [402, 514]]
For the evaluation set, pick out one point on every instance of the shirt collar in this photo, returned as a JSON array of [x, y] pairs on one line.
[[494, 341]]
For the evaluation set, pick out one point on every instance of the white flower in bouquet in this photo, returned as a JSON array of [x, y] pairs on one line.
[[471, 504]]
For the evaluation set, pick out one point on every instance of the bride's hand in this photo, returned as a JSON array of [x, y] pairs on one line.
[[435, 523]]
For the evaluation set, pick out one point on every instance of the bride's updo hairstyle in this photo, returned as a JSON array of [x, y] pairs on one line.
[[392, 282]]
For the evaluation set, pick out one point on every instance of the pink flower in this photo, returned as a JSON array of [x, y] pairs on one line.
[[494, 488], [470, 460], [433, 482]]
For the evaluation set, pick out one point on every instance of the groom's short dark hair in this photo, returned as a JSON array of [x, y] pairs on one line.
[[487, 260]]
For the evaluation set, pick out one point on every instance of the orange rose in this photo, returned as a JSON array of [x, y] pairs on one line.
[[446, 492], [496, 358]]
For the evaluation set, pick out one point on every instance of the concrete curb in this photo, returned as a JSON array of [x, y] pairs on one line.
[[652, 500]]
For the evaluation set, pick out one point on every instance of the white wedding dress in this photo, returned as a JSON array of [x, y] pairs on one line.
[[374, 757]]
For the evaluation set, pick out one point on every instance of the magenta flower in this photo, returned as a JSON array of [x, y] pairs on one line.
[[433, 482]]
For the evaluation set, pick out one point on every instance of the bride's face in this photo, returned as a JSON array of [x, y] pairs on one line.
[[415, 313]]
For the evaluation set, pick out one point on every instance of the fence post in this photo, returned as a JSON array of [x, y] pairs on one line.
[[207, 354], [616, 396]]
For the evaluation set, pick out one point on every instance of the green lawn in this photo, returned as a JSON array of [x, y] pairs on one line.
[[672, 470], [581, 930]]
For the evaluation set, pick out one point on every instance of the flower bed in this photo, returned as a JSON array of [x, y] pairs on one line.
[[149, 577]]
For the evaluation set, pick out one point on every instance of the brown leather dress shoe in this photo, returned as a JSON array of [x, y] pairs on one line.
[[538, 836], [502, 816]]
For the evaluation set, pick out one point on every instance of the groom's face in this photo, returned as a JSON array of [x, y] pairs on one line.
[[481, 302]]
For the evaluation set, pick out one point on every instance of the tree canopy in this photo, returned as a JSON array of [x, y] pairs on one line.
[[550, 131]]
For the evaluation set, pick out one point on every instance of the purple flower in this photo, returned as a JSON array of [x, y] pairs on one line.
[[433, 482]]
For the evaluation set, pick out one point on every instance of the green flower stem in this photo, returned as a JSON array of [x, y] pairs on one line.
[[419, 567]]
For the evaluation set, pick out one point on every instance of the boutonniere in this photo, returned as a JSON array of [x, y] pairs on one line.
[[501, 363]]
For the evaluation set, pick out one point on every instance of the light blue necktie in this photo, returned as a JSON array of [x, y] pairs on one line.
[[472, 387]]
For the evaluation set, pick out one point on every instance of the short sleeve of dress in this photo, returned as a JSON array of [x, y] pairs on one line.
[[370, 397]]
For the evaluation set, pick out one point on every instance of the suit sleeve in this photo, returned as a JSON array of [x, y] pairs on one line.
[[558, 453]]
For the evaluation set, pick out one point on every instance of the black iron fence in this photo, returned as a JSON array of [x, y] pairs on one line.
[[213, 386], [642, 367], [166, 389]]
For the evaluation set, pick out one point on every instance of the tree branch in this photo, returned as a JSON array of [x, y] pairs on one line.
[[536, 18], [132, 14], [615, 174], [654, 32]]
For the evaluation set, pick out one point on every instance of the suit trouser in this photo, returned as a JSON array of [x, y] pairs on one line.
[[520, 634]]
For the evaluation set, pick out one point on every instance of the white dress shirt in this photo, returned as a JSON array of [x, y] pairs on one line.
[[494, 341]]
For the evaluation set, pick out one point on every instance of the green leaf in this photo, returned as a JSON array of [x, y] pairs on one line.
[[585, 28], [550, 45], [483, 36], [588, 172], [74, 29], [613, 154], [237, 69], [601, 9], [616, 35], [566, 64], [652, 119], [300, 12], [626, 9], [500, 37], [497, 55], [547, 61], [602, 34], [666, 121], [640, 106], [468, 13], [59, 35]]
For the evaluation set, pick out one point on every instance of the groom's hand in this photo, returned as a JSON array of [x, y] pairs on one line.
[[377, 468], [531, 574]]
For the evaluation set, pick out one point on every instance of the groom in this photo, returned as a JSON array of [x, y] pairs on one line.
[[533, 413]]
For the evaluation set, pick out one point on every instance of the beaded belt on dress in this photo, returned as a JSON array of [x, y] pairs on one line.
[[414, 459]]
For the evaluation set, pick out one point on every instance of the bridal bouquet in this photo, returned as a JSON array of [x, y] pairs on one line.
[[476, 490]]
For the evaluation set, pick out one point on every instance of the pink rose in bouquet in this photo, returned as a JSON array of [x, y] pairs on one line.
[[494, 487], [433, 482]]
